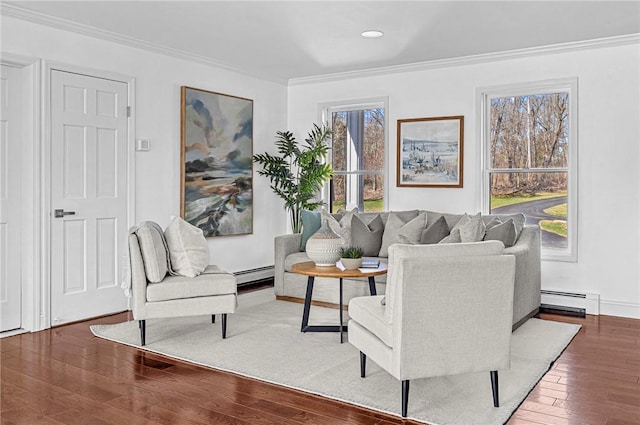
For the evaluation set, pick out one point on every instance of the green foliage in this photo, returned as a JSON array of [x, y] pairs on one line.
[[299, 172], [559, 227], [558, 211], [351, 252], [370, 205], [503, 200]]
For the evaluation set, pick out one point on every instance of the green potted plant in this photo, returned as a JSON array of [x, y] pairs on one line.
[[298, 173], [351, 257]]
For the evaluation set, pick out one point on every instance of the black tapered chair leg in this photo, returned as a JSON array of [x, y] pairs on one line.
[[363, 364], [213, 318], [224, 326], [494, 388], [405, 397], [142, 325]]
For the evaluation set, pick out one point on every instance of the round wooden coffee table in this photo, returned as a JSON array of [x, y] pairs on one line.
[[310, 269]]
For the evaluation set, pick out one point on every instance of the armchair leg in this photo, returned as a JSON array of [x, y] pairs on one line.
[[405, 397], [494, 388], [363, 364], [224, 325], [142, 326], [213, 318]]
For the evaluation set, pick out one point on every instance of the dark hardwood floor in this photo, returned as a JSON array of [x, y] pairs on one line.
[[65, 375]]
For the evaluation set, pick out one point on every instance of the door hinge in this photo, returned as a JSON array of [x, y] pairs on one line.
[[128, 111]]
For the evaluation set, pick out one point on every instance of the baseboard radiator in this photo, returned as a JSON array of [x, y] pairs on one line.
[[569, 303], [260, 274]]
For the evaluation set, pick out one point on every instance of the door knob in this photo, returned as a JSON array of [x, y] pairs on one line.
[[62, 213]]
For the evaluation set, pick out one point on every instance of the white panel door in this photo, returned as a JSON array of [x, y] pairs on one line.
[[89, 192], [10, 198]]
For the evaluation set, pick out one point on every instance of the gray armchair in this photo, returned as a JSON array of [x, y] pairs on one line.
[[210, 293], [447, 310]]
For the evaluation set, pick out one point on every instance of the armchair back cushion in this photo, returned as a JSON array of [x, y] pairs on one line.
[[398, 252], [154, 254]]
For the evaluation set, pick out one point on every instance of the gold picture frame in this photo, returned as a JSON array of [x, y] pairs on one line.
[[216, 162], [430, 152]]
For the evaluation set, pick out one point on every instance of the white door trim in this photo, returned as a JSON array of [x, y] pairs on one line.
[[30, 204], [45, 172]]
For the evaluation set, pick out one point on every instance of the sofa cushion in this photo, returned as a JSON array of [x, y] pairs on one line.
[[398, 230], [343, 226], [152, 248], [369, 312], [367, 234], [499, 231], [215, 282], [435, 232], [188, 247], [296, 257], [311, 221], [472, 229]]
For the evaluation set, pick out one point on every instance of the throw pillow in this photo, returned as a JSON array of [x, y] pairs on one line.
[[310, 224], [398, 231], [451, 219], [188, 247], [471, 228], [343, 226], [152, 248], [499, 231], [368, 236], [519, 220], [454, 237], [436, 232]]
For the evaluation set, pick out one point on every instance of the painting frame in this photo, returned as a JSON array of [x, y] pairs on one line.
[[430, 152], [216, 162]]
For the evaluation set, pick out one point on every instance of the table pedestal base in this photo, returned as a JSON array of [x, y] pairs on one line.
[[342, 328]]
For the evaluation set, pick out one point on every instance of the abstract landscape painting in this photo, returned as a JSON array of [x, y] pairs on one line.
[[430, 152], [217, 149]]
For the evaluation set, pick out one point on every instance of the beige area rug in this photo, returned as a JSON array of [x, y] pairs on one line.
[[264, 342]]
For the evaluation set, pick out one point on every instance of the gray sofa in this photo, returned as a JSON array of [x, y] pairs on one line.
[[526, 249]]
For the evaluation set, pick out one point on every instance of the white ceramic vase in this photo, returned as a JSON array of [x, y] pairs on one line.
[[323, 247]]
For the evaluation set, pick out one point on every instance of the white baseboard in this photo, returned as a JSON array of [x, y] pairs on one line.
[[620, 309]]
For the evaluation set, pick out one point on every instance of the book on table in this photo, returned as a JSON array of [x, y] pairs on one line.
[[370, 263]]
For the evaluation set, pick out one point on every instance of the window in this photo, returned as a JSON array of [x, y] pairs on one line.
[[529, 145], [357, 156]]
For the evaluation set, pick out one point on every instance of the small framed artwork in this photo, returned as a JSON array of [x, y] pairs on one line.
[[430, 152], [216, 162]]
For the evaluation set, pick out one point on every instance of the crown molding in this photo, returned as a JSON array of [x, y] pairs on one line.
[[472, 59], [66, 25]]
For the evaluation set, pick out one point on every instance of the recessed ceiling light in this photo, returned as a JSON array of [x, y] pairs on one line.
[[372, 34]]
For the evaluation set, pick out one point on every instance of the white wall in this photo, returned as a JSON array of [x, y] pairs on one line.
[[157, 117], [608, 133]]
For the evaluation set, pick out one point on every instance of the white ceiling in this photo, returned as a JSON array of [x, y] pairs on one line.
[[283, 40]]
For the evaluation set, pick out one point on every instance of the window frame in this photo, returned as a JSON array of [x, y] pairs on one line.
[[566, 85], [325, 110]]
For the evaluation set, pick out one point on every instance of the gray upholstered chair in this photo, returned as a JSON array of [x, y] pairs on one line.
[[447, 310], [158, 295]]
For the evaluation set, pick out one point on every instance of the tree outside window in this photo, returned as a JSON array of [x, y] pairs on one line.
[[358, 156], [529, 165]]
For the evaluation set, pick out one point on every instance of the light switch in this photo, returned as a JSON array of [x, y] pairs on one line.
[[143, 145]]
